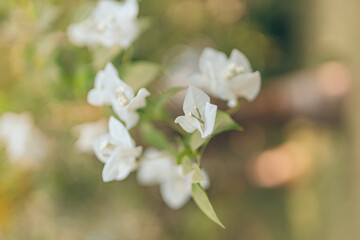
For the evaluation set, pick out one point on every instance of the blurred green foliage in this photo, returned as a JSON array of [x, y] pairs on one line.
[[41, 72]]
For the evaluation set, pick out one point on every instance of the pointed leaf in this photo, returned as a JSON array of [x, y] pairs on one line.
[[186, 165], [161, 99], [196, 140], [224, 122], [155, 137], [202, 201], [140, 74], [103, 55], [156, 104], [197, 176]]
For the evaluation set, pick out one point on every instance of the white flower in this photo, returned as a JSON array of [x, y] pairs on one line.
[[111, 23], [155, 167], [24, 142], [87, 133], [158, 167], [226, 78], [110, 90], [117, 150], [200, 114], [176, 190]]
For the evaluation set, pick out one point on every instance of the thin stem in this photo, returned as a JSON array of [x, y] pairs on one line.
[[201, 153]]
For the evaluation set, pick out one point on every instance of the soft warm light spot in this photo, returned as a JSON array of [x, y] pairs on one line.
[[334, 79], [226, 11], [272, 168], [280, 165]]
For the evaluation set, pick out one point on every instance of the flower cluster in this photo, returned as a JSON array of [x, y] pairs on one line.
[[226, 78], [175, 167], [111, 90], [118, 151], [158, 167], [110, 24]]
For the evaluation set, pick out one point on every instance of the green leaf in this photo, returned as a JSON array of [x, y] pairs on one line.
[[224, 122], [155, 137], [197, 176], [196, 140], [156, 104], [202, 201], [103, 55], [186, 165], [161, 99], [27, 6], [140, 74]]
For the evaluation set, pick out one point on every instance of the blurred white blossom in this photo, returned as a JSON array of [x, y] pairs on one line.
[[117, 150], [179, 67], [157, 167], [87, 133], [227, 78], [24, 142], [110, 24], [200, 114], [110, 90]]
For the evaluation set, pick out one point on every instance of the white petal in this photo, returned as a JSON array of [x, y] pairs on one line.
[[110, 170], [248, 86], [103, 154], [110, 70], [188, 123], [131, 30], [119, 133], [107, 79], [176, 191], [154, 170], [130, 8], [210, 115], [76, 34], [151, 153], [97, 97], [139, 100], [131, 118], [195, 97], [117, 168], [125, 167], [128, 152], [199, 81], [212, 58], [87, 133], [238, 57]]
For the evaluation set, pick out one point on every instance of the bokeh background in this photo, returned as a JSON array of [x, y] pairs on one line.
[[292, 174]]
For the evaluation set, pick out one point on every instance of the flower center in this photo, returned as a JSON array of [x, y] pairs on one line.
[[121, 97], [233, 70], [106, 147], [198, 117]]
